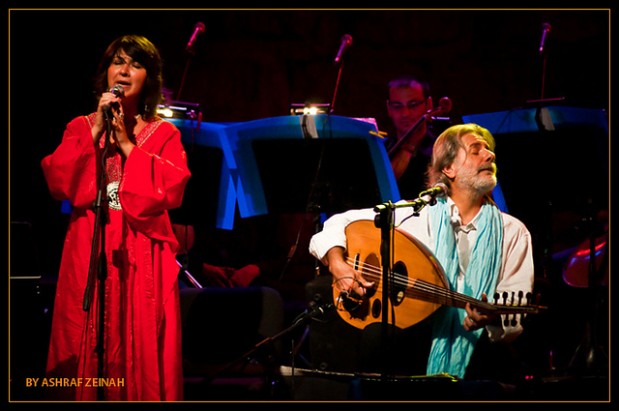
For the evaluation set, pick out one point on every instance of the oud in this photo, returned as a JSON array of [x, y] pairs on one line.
[[418, 284]]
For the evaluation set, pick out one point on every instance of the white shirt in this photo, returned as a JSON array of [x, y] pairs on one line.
[[516, 274]]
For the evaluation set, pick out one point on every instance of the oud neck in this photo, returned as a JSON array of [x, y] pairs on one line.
[[431, 293]]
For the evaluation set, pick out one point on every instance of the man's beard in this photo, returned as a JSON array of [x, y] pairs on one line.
[[481, 184]]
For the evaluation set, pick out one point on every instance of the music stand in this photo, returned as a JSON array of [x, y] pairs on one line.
[[210, 160], [322, 163], [209, 199]]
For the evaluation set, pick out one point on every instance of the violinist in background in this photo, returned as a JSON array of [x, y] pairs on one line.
[[408, 101]]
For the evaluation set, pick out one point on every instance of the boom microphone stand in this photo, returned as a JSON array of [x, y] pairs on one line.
[[385, 220], [542, 116], [314, 311], [594, 357], [198, 29], [346, 42], [98, 261]]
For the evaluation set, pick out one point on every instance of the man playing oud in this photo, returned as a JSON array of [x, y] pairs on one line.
[[481, 250]]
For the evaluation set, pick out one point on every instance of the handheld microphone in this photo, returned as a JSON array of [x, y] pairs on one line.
[[545, 30], [437, 190], [119, 92], [197, 30], [346, 42]]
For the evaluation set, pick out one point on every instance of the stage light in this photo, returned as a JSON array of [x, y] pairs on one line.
[[180, 109], [309, 109], [165, 112]]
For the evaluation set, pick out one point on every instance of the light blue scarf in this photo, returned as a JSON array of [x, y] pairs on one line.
[[452, 346]]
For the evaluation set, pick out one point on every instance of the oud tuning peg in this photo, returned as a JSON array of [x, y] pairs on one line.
[[505, 295], [496, 298]]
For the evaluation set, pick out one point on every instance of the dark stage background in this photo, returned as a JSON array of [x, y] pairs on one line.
[[252, 64]]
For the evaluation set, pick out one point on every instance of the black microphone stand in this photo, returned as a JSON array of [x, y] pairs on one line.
[[590, 357], [185, 71], [385, 221], [542, 116], [98, 260], [313, 312], [337, 85]]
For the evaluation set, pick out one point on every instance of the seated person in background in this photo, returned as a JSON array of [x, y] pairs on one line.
[[195, 272], [260, 251], [408, 101], [481, 249]]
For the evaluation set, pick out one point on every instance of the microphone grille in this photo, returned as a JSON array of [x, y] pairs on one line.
[[117, 90]]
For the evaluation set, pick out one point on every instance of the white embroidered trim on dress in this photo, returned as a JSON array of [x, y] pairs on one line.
[[112, 196]]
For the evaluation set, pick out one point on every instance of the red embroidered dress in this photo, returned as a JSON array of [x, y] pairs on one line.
[[142, 350]]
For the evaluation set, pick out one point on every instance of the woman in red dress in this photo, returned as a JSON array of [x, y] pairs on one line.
[[145, 175]]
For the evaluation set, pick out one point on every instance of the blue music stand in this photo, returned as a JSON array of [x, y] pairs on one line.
[[291, 163], [523, 120], [210, 135], [561, 164]]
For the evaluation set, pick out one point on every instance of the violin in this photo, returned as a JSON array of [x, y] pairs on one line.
[[444, 107]]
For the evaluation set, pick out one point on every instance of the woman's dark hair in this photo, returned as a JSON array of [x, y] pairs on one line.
[[144, 52]]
